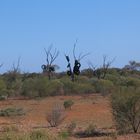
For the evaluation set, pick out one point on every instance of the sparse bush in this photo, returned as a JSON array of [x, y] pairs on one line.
[[39, 135], [42, 87], [3, 90], [91, 130], [10, 128], [63, 135], [55, 87], [126, 110], [12, 112], [77, 87], [103, 86], [56, 115], [34, 135], [68, 104], [71, 128], [28, 88]]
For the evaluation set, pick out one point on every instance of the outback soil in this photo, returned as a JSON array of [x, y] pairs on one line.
[[87, 109]]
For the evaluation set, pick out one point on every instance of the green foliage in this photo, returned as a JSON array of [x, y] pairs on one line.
[[39, 135], [126, 110], [2, 85], [115, 79], [68, 104], [34, 135], [63, 135], [10, 128], [3, 90], [54, 87], [77, 87], [29, 88], [102, 86], [41, 87], [12, 112]]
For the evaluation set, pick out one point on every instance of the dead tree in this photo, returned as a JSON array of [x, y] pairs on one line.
[[101, 72], [106, 65], [49, 67], [75, 70]]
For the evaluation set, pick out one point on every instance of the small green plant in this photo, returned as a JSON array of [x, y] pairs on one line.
[[12, 112], [10, 128], [39, 135], [63, 135], [68, 104]]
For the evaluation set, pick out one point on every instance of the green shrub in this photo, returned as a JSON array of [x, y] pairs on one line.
[[12, 112], [69, 86], [2, 85], [115, 79], [84, 88], [63, 135], [54, 87], [3, 90], [39, 135], [42, 87], [126, 110], [82, 79], [28, 88], [10, 128], [68, 104], [76, 87], [103, 86]]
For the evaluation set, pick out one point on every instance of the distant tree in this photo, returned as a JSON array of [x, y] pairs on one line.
[[15, 71], [51, 56], [101, 72], [75, 70], [133, 65]]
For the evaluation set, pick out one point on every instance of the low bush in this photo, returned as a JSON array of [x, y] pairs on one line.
[[77, 87], [91, 131], [39, 135], [126, 110], [56, 115], [102, 86], [54, 87], [10, 128], [12, 112], [68, 104], [63, 135]]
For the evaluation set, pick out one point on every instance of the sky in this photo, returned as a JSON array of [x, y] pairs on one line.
[[102, 27]]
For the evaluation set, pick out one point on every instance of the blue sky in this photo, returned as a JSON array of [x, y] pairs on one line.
[[102, 27]]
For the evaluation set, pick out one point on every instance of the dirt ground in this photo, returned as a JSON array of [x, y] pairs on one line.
[[86, 109]]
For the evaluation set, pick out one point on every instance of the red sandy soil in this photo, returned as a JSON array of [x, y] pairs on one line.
[[86, 109]]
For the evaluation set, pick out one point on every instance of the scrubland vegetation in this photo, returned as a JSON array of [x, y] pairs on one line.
[[120, 87]]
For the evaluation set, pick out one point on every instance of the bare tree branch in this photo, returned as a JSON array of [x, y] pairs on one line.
[[74, 50], [50, 58], [16, 68]]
